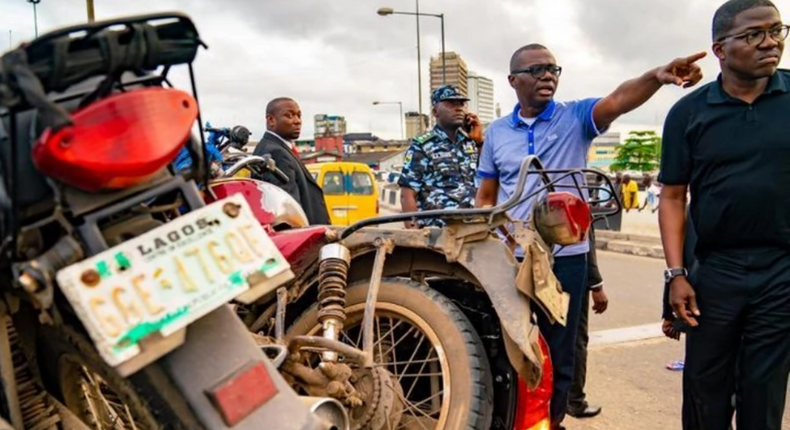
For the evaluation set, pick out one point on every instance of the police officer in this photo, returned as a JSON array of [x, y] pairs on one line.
[[441, 165]]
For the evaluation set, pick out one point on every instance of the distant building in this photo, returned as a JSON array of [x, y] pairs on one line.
[[481, 97], [305, 145], [413, 124], [603, 150], [363, 147], [457, 73], [329, 125], [329, 143]]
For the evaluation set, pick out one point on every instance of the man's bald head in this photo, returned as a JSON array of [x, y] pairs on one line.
[[284, 117], [272, 106], [514, 59]]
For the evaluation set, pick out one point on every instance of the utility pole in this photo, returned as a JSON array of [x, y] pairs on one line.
[[91, 14], [35, 13], [419, 67]]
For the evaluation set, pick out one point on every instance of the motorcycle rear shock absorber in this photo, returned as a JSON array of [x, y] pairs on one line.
[[332, 280]]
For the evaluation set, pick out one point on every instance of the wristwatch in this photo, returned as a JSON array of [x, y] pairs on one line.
[[670, 274]]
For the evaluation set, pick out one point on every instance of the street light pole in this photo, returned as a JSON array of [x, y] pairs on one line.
[[91, 14], [444, 68], [419, 65], [35, 14], [384, 11]]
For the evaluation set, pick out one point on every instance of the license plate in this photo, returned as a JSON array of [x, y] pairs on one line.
[[163, 280], [340, 213]]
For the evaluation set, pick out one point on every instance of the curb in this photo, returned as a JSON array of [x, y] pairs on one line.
[[605, 240]]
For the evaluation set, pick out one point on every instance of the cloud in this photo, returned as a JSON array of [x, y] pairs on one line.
[[339, 56]]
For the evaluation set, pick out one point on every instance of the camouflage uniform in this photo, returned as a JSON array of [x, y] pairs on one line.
[[441, 172]]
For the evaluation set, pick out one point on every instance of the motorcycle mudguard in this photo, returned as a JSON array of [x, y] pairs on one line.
[[217, 346], [489, 263]]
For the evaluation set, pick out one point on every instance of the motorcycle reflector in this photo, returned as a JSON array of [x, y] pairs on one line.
[[242, 393], [562, 218], [532, 410], [119, 141]]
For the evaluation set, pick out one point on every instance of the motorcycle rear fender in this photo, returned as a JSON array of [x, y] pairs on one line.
[[218, 345], [481, 258]]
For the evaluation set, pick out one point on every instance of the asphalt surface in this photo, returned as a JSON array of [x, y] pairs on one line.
[[629, 379], [628, 355]]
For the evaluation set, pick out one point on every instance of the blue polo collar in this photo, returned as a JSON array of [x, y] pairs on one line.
[[546, 115]]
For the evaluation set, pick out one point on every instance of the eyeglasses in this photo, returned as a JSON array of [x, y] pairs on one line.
[[538, 71], [757, 36]]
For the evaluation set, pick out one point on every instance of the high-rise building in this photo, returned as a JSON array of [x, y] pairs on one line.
[[329, 125], [456, 72], [329, 131], [413, 124], [481, 97]]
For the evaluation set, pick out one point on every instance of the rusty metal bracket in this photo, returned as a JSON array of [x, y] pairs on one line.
[[535, 277], [456, 235], [279, 318], [383, 247]]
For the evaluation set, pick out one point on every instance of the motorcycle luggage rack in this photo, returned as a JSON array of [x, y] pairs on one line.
[[531, 165], [36, 74]]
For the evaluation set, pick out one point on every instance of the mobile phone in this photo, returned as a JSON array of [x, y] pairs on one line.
[[467, 123]]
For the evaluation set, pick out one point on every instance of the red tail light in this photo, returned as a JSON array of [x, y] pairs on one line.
[[119, 141], [562, 218], [378, 206], [243, 392], [532, 412]]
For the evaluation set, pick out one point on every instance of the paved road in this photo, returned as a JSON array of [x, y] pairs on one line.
[[628, 355], [629, 379]]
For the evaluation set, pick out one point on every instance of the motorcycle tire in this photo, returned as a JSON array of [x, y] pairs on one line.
[[470, 405], [69, 362]]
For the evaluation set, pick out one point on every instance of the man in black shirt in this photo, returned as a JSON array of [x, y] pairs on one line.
[[729, 142]]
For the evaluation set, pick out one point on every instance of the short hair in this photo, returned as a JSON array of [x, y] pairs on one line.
[[271, 107], [724, 18], [530, 47]]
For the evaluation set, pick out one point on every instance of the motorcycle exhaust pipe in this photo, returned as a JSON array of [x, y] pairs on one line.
[[330, 411]]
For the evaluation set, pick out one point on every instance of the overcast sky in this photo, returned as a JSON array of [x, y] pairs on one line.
[[338, 56]]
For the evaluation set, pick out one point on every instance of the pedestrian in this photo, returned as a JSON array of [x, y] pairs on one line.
[[560, 135], [652, 193], [283, 127], [728, 144], [440, 166], [578, 407], [630, 192], [617, 183]]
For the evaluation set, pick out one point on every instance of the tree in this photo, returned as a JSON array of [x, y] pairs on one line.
[[641, 152]]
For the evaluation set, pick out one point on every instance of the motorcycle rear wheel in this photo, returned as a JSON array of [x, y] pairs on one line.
[[76, 374], [405, 312]]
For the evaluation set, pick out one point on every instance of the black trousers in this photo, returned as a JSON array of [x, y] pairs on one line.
[[577, 399], [571, 271], [742, 343]]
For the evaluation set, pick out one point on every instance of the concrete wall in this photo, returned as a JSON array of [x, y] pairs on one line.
[[389, 196]]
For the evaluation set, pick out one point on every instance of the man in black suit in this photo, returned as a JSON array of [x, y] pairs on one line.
[[283, 126]]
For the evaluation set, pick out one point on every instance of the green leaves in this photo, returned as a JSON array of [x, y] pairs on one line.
[[641, 152]]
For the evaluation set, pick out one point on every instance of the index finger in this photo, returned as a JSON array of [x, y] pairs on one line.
[[696, 57]]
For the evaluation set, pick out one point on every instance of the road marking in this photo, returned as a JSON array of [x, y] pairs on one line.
[[626, 334]]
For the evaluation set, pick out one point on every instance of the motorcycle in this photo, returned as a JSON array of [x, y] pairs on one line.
[[427, 328], [116, 273]]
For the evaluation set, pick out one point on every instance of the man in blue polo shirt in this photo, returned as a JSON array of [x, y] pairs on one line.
[[560, 134]]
